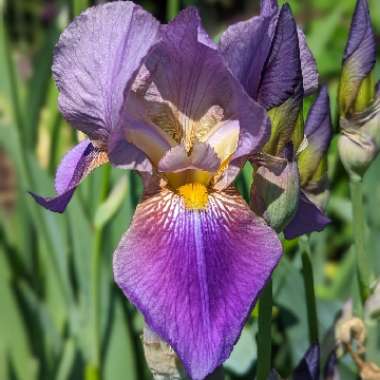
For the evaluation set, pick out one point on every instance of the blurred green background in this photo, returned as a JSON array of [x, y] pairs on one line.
[[48, 271]]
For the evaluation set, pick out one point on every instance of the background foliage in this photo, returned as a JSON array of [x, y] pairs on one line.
[[48, 271]]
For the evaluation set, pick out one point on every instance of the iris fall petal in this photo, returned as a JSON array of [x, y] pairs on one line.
[[74, 167], [195, 274]]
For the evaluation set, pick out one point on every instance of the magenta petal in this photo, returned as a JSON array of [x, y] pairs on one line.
[[74, 167], [96, 58], [196, 274], [308, 218]]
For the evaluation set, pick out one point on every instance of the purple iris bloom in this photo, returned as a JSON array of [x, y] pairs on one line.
[[161, 100], [258, 52]]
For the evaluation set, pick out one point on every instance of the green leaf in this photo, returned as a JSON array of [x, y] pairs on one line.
[[14, 345], [110, 206], [120, 354]]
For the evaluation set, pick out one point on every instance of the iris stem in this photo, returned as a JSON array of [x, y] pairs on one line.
[[172, 9], [308, 280], [264, 341], [364, 274], [93, 369]]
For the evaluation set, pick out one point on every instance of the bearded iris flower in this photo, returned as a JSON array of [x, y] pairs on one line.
[[359, 100], [160, 100], [259, 51]]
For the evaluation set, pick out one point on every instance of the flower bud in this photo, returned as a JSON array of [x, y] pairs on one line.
[[357, 148], [275, 189], [359, 104]]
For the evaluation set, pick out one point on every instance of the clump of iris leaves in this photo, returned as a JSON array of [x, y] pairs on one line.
[[45, 269]]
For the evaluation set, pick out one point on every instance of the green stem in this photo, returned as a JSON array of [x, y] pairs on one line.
[[172, 9], [308, 279], [364, 274], [264, 341], [93, 368]]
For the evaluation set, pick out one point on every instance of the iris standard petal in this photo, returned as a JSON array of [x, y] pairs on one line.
[[308, 218], [308, 368], [245, 47], [96, 59], [125, 155], [186, 91], [195, 274], [74, 167], [358, 62], [318, 131]]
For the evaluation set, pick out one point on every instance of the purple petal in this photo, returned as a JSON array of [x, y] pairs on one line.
[[330, 371], [308, 218], [74, 167], [308, 368], [196, 274], [124, 155], [282, 77], [359, 56], [310, 74], [56, 204], [245, 47], [227, 176], [202, 157], [361, 40], [186, 91], [96, 58], [318, 130], [268, 7]]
